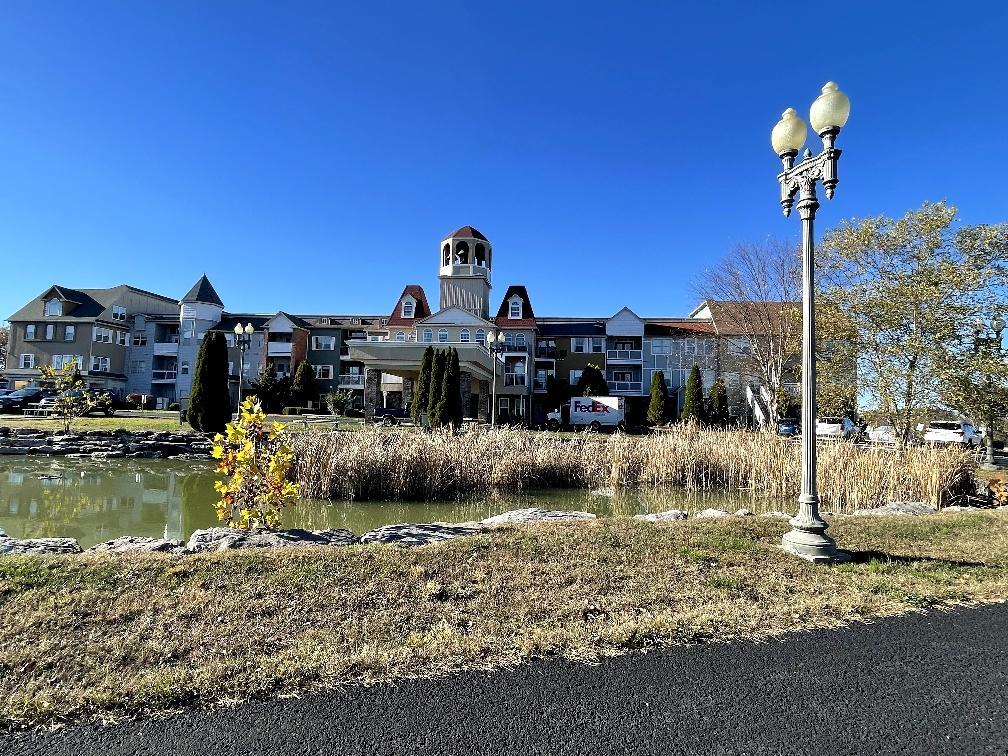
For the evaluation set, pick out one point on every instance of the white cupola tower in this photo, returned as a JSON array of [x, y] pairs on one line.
[[466, 261]]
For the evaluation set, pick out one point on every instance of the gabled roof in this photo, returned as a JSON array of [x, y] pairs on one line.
[[203, 292], [745, 318], [294, 320], [420, 310], [527, 319], [455, 316], [89, 304], [468, 232]]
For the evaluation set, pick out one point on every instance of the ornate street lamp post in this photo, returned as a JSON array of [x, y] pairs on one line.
[[495, 345], [987, 339], [828, 114], [243, 340]]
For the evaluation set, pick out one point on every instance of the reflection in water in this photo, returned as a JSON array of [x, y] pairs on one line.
[[94, 501]]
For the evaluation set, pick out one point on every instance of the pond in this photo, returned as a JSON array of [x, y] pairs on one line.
[[96, 501]]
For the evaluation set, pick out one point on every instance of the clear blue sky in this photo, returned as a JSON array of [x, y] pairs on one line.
[[310, 156]]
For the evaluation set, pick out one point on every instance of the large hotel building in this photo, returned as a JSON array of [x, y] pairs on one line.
[[128, 340]]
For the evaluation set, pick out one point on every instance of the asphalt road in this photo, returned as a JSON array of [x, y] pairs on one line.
[[918, 685]]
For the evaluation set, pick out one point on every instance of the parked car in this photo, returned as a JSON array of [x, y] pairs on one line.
[[835, 428], [882, 434], [788, 427], [952, 432], [5, 391], [100, 403], [17, 401]]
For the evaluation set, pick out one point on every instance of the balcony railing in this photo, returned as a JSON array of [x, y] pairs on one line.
[[351, 380], [623, 355], [625, 387], [514, 379], [546, 353], [538, 385], [278, 349], [164, 375]]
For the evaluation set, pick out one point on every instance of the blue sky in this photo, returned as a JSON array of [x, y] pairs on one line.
[[310, 156]]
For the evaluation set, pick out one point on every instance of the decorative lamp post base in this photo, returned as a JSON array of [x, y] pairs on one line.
[[807, 538]]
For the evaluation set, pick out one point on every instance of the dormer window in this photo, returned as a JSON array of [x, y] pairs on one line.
[[53, 308], [514, 309], [407, 308], [118, 312]]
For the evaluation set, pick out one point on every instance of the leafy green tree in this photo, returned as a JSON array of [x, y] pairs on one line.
[[305, 387], [693, 403], [273, 393], [558, 392], [717, 404], [905, 293], [339, 401], [657, 408], [73, 399], [434, 390], [421, 388], [592, 382], [210, 399]]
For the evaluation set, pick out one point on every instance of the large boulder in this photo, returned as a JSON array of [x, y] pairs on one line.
[[669, 516], [710, 514], [39, 546], [223, 539], [409, 534], [535, 515], [125, 544]]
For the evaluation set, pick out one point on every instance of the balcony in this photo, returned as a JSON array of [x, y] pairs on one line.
[[625, 387], [351, 380], [546, 353], [624, 355], [160, 376], [278, 349], [514, 379], [166, 347]]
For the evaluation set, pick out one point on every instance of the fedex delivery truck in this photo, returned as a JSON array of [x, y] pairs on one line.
[[594, 412]]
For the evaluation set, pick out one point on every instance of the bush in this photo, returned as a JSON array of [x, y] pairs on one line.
[[592, 382], [305, 387], [174, 407], [657, 407], [693, 403], [138, 400]]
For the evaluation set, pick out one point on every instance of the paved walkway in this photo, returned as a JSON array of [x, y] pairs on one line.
[[916, 685]]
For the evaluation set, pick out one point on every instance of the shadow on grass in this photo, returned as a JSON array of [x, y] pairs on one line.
[[865, 557]]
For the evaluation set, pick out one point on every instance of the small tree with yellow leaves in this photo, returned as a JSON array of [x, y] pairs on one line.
[[256, 461]]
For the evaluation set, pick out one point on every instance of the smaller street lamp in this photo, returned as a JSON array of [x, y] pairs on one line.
[[243, 340], [495, 345], [987, 340]]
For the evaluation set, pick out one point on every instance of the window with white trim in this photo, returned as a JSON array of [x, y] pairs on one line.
[[122, 338], [184, 368], [139, 339], [50, 332], [598, 344], [481, 336], [575, 376], [508, 340], [53, 307], [323, 343], [520, 340], [100, 364], [29, 332], [27, 361], [442, 335], [69, 333], [579, 344], [103, 335], [428, 336], [407, 308], [400, 336], [323, 372], [137, 367], [464, 336], [514, 308], [118, 312]]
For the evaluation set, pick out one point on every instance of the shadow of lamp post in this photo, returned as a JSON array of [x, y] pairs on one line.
[[828, 114]]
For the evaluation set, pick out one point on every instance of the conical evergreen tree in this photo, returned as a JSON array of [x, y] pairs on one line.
[[693, 403], [305, 388], [210, 398], [657, 413], [717, 404], [421, 388], [443, 407], [592, 382], [434, 389], [455, 409]]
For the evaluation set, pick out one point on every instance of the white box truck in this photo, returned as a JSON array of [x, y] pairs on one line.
[[594, 412]]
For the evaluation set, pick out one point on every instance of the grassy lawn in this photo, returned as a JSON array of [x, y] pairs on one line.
[[169, 422], [106, 636]]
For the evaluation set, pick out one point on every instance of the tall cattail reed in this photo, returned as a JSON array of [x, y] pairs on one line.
[[382, 464]]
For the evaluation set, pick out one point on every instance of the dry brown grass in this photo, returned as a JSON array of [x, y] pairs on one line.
[[107, 635], [382, 464]]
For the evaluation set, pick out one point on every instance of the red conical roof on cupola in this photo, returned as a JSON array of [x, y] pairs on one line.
[[468, 232]]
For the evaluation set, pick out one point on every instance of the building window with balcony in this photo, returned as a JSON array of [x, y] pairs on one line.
[[622, 376], [514, 309], [481, 336], [514, 373], [400, 336], [407, 308], [541, 377], [464, 336], [520, 340], [29, 332], [442, 336], [27, 361], [100, 364], [546, 348], [50, 332], [69, 333], [323, 372], [53, 308], [428, 336], [118, 313], [508, 340]]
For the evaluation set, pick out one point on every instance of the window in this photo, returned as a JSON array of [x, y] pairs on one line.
[[29, 332], [69, 333], [520, 340], [118, 312], [355, 321], [122, 338], [383, 322], [323, 372], [53, 307], [464, 336], [400, 336], [184, 368], [323, 343], [579, 344], [428, 335], [137, 367], [623, 376], [407, 308], [575, 376], [139, 339], [27, 361], [50, 332], [598, 344], [442, 336], [374, 337], [661, 346], [514, 309], [59, 361], [100, 364], [103, 335], [481, 336], [508, 340]]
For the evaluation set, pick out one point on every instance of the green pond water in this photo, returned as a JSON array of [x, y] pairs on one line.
[[95, 501]]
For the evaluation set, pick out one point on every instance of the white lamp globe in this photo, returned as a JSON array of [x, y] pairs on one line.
[[830, 109], [789, 134], [238, 330], [249, 329]]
